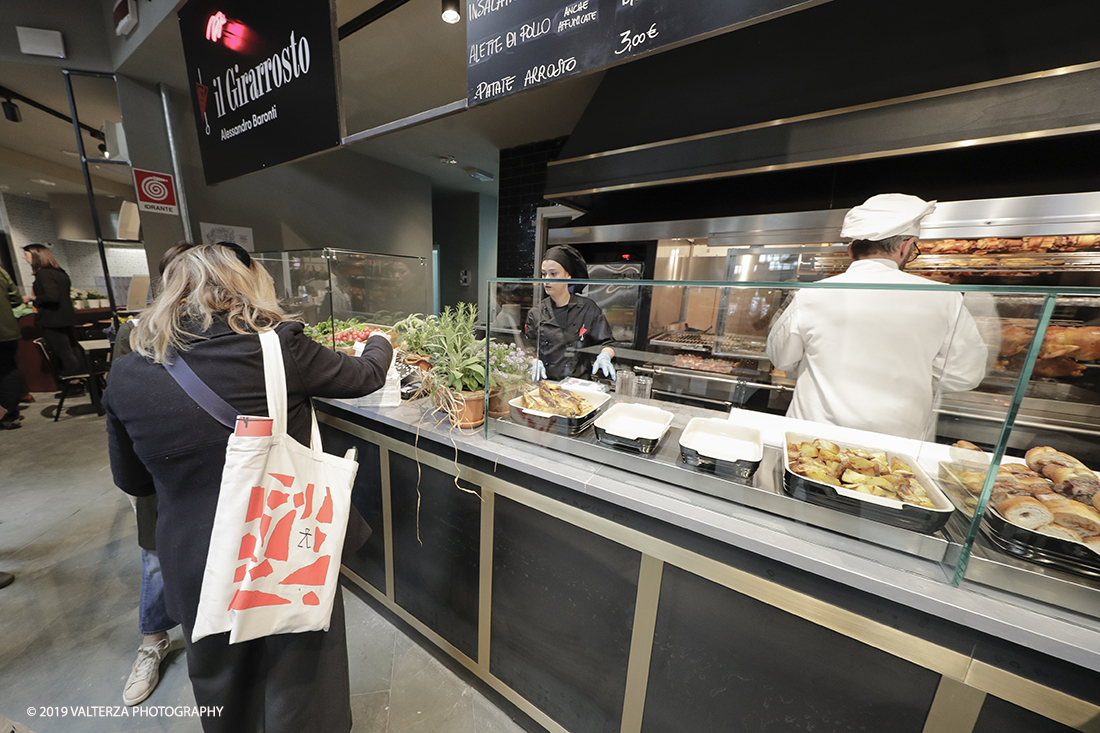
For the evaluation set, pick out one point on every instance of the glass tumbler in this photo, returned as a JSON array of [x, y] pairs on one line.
[[624, 383]]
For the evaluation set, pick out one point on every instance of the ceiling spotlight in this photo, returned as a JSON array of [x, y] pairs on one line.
[[11, 111], [103, 150], [447, 160], [450, 11]]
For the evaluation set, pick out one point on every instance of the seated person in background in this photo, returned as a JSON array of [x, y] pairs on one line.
[[876, 359]]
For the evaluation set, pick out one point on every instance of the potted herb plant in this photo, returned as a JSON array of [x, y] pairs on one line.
[[97, 299], [508, 366], [415, 334], [456, 379]]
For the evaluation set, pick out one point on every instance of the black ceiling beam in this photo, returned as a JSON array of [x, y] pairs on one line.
[[8, 93], [367, 17]]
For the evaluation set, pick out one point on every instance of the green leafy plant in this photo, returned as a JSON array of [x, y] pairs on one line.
[[417, 333], [458, 356]]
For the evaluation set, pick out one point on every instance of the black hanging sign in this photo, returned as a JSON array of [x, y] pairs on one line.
[[262, 82], [513, 45]]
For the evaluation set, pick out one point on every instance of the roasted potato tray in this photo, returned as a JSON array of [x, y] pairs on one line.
[[877, 508]]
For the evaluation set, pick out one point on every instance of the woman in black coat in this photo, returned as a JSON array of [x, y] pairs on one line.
[[214, 302], [54, 306]]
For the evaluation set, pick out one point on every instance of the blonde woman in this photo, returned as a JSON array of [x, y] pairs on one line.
[[214, 301]]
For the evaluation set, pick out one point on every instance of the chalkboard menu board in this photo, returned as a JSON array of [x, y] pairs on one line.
[[512, 45], [262, 82]]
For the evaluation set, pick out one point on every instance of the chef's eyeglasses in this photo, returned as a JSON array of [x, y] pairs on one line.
[[914, 252], [241, 252]]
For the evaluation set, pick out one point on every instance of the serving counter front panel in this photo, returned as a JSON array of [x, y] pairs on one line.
[[587, 615]]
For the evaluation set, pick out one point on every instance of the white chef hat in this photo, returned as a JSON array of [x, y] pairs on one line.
[[886, 215]]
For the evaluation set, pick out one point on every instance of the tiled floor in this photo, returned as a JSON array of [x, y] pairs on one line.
[[68, 625]]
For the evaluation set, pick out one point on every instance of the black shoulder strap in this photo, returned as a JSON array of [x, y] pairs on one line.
[[197, 390]]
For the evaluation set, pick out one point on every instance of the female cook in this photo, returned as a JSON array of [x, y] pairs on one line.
[[565, 322]]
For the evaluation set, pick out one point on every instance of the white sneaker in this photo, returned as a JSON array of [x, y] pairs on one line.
[[146, 672]]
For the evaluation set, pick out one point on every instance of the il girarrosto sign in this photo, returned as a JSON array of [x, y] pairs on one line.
[[262, 82]]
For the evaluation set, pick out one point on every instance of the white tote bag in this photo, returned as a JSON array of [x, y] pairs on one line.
[[274, 557]]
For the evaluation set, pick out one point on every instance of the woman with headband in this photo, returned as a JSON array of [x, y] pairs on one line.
[[565, 322]]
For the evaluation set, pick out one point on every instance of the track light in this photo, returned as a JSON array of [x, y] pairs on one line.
[[450, 11], [11, 111], [103, 151]]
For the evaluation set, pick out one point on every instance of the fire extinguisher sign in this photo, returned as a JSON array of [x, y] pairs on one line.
[[155, 192]]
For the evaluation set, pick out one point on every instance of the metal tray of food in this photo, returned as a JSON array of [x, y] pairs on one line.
[[877, 508], [714, 444], [1071, 555], [684, 340], [963, 481], [633, 426], [548, 422]]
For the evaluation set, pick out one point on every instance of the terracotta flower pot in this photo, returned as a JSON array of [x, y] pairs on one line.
[[470, 412]]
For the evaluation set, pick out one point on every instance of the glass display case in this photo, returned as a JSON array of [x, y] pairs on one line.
[[333, 289], [911, 456]]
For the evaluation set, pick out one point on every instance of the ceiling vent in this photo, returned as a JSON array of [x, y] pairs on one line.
[[41, 42]]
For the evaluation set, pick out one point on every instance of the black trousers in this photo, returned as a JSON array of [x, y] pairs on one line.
[[285, 683], [9, 379], [63, 343]]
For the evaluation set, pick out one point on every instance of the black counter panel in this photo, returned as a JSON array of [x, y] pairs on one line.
[[1040, 668], [563, 612], [999, 716], [436, 577], [724, 662], [366, 496]]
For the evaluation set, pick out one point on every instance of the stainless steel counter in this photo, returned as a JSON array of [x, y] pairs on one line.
[[891, 574]]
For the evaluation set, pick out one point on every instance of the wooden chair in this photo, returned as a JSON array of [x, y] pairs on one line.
[[92, 379]]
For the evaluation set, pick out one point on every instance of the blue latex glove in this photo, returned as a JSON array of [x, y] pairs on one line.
[[538, 370], [603, 363]]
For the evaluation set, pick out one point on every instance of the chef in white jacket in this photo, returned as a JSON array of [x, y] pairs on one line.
[[876, 359]]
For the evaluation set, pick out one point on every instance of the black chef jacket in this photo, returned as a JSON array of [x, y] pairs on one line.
[[558, 332]]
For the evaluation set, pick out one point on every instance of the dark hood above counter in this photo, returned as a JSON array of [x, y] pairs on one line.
[[821, 108]]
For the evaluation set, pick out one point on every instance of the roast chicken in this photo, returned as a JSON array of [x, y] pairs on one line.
[[1062, 350], [551, 398], [997, 245]]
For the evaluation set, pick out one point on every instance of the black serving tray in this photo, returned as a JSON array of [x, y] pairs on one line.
[[1041, 548], [741, 470], [895, 513], [558, 424], [645, 446], [1025, 543]]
